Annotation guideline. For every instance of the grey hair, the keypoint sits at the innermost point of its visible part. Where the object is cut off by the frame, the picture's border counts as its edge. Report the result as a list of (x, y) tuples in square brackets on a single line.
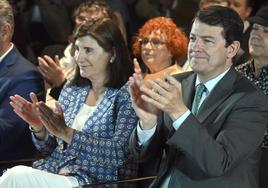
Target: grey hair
[(6, 15)]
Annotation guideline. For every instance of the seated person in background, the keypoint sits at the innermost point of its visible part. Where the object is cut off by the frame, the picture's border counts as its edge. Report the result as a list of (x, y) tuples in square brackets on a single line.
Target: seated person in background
[(56, 71), (207, 3), (210, 130), (256, 69), (162, 47), (17, 76), (86, 140)]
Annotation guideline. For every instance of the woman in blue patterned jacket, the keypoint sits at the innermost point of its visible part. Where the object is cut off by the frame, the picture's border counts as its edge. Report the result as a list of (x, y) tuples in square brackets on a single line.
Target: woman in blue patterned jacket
[(86, 139)]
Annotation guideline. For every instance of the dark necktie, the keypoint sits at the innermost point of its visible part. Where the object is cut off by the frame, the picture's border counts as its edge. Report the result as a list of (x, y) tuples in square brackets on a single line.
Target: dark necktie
[(200, 89)]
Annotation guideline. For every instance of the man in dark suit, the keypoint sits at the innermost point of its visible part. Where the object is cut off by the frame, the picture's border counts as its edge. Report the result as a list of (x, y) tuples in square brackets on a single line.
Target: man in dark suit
[(17, 76), (214, 119)]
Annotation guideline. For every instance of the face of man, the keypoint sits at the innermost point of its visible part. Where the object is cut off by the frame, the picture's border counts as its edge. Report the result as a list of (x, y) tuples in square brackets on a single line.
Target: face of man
[(258, 41), (241, 7), (207, 52)]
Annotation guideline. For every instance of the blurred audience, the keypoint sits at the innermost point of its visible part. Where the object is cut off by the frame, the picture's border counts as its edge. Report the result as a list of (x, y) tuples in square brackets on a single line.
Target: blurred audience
[(244, 9), (86, 139), (49, 26), (180, 11), (207, 3)]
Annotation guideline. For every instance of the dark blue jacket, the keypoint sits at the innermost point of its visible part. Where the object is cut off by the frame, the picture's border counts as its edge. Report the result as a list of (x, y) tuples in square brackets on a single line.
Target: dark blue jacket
[(17, 76)]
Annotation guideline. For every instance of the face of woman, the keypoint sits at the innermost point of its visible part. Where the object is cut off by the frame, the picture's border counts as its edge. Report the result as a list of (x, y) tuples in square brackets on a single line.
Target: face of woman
[(154, 52), (91, 58)]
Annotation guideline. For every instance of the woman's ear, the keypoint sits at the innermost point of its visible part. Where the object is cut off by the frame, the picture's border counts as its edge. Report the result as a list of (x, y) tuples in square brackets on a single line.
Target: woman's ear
[(232, 49)]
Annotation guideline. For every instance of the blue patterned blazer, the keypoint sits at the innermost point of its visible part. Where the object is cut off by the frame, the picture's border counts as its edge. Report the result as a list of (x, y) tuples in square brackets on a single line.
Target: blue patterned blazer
[(100, 151)]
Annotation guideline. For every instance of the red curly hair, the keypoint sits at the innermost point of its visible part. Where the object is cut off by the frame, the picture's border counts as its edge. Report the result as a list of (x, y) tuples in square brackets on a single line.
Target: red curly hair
[(176, 40)]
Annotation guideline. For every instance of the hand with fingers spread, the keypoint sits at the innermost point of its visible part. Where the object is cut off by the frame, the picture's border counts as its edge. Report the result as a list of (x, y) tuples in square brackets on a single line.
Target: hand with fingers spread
[(27, 110), (54, 122), (166, 96), (147, 113), (51, 70)]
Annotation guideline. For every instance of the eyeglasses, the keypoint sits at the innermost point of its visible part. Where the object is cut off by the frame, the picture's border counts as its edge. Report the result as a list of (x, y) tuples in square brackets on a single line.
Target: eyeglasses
[(153, 41)]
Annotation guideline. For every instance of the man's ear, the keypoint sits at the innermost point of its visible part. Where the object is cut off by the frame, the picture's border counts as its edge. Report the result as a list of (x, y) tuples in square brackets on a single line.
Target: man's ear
[(248, 11), (232, 49), (6, 31)]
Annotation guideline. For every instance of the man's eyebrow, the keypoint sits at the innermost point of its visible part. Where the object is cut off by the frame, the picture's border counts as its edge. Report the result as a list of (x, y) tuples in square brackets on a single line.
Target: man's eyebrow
[(204, 36), (207, 37)]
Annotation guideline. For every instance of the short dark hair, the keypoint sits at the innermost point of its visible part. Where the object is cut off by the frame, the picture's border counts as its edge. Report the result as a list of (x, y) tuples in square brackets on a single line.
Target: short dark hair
[(225, 17), (109, 37)]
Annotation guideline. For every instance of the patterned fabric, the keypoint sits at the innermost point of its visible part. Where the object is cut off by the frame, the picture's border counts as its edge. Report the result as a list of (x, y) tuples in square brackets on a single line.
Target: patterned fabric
[(261, 82), (99, 152)]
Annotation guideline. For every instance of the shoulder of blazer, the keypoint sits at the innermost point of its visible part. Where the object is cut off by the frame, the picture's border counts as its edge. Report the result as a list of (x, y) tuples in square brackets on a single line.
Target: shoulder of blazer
[(11, 57), (14, 57), (182, 76), (244, 84)]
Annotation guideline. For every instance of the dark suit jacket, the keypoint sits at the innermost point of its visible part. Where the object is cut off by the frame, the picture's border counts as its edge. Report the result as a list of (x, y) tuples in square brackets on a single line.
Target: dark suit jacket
[(17, 76), (218, 148)]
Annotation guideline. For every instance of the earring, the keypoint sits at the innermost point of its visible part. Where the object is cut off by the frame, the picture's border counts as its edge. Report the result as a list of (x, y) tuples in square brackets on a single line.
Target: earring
[(112, 59)]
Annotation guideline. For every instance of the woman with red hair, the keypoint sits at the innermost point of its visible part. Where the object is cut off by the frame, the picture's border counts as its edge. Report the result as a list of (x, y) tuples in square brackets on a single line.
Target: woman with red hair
[(162, 47)]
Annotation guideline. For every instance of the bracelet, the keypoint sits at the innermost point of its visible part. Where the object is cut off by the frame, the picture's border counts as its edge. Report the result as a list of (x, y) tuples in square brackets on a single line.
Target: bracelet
[(34, 131)]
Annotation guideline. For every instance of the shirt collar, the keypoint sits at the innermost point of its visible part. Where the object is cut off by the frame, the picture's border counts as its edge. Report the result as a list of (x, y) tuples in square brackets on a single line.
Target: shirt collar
[(5, 54), (213, 82)]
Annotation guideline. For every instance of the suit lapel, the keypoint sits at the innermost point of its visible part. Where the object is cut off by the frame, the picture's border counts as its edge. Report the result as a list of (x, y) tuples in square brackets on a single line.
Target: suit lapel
[(218, 95), (3, 71)]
